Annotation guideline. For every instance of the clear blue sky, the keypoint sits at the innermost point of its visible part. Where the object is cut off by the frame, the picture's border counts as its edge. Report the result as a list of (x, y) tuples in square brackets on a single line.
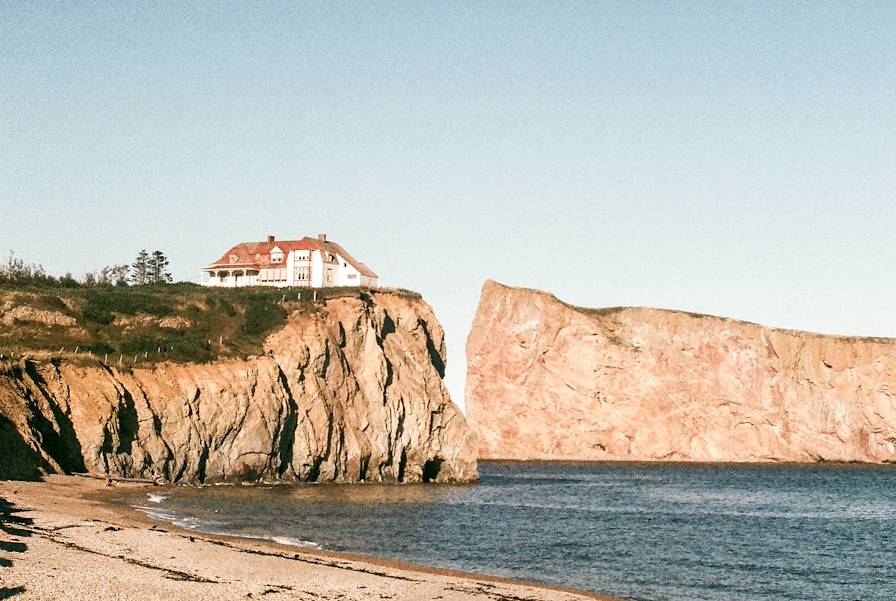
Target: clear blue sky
[(736, 159)]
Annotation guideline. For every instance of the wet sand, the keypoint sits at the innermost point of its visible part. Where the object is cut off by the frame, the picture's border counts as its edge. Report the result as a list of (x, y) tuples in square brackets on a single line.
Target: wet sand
[(60, 539)]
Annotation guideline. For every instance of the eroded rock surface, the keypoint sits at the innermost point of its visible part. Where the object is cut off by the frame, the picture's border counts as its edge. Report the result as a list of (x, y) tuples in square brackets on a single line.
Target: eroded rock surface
[(25, 313), (349, 391), (550, 381)]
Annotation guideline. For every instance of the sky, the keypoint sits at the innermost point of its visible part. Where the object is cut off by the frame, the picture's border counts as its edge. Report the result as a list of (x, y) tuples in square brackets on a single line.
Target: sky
[(737, 159)]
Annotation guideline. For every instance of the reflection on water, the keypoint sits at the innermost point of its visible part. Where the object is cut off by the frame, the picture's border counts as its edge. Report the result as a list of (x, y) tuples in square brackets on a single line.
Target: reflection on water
[(677, 532), (372, 493)]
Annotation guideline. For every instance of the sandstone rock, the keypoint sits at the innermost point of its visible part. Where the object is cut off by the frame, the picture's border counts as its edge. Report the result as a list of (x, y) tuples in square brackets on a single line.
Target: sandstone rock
[(141, 320), (350, 391), (175, 322), (32, 314), (547, 380)]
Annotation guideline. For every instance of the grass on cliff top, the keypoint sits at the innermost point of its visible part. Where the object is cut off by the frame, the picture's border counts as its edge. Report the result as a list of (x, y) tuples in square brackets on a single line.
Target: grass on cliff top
[(127, 321)]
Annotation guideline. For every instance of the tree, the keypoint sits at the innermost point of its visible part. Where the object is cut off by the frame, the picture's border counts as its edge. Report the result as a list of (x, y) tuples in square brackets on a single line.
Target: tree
[(157, 268), (120, 274), (90, 279), (104, 278), (18, 273), (140, 269), (68, 281)]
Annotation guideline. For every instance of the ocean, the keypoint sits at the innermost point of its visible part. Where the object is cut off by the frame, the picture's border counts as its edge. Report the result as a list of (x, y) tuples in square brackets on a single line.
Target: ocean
[(664, 532)]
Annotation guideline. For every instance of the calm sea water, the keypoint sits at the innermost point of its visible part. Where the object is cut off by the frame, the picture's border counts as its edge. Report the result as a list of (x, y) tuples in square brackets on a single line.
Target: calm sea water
[(649, 532)]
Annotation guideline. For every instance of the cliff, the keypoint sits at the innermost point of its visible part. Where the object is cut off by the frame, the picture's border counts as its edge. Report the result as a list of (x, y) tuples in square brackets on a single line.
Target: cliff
[(346, 390), (547, 380)]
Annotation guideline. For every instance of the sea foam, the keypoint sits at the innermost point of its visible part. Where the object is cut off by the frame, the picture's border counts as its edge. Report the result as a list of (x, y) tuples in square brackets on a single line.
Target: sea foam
[(295, 542)]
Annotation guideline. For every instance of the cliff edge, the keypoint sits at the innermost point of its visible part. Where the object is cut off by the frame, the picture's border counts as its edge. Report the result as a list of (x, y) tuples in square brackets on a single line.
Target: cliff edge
[(547, 380), (349, 389)]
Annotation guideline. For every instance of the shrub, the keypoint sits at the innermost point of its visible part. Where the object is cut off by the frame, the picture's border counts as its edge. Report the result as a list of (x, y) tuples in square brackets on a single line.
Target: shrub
[(227, 307), (139, 344), (126, 301), (262, 317), (100, 348), (174, 346), (98, 315)]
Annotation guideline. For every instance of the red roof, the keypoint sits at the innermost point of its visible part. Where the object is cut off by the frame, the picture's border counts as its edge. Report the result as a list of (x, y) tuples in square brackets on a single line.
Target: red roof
[(255, 255)]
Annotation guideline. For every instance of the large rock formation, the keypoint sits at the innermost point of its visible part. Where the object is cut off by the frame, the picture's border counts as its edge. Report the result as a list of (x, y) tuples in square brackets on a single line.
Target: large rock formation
[(547, 380), (349, 390)]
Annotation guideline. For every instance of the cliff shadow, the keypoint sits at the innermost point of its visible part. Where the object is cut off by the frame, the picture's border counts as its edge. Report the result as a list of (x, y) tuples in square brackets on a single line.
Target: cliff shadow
[(18, 461), (434, 356), (11, 543), (62, 445)]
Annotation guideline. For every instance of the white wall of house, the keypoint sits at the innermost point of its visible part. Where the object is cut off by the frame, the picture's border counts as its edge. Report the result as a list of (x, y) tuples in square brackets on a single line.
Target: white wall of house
[(348, 275), (299, 268), (317, 270), (290, 268)]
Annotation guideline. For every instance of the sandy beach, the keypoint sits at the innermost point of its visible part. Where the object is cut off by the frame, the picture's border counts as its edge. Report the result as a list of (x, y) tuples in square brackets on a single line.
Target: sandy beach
[(61, 540)]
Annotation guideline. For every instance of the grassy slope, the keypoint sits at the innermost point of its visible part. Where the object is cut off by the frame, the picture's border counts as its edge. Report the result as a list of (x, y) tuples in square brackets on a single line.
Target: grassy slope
[(125, 321)]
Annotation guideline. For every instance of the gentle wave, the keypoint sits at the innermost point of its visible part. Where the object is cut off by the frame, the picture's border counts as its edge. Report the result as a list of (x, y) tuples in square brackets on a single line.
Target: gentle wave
[(213, 527), (685, 532), (188, 522), (294, 542)]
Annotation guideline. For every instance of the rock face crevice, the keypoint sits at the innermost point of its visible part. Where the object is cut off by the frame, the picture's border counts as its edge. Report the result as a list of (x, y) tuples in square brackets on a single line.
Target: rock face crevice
[(346, 392), (547, 380)]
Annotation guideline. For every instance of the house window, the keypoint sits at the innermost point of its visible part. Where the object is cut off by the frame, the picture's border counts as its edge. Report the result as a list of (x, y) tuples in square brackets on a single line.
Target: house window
[(301, 274), (276, 258), (352, 276), (272, 275), (329, 276)]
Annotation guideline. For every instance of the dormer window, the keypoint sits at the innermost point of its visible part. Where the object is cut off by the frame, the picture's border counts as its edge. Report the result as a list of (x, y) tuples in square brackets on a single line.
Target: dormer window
[(234, 258), (276, 255)]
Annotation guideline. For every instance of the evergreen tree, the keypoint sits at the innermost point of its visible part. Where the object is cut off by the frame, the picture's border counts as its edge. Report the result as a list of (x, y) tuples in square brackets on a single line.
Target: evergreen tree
[(157, 272), (140, 274)]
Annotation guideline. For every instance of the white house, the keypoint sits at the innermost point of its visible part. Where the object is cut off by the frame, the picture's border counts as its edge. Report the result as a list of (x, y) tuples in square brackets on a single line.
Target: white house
[(309, 262)]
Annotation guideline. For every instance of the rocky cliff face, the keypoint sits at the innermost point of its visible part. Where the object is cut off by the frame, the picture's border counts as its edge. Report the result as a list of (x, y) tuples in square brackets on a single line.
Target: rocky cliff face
[(550, 381), (349, 391)]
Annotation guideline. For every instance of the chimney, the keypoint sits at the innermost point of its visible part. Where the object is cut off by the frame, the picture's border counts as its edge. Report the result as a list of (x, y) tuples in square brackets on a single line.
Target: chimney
[(270, 238), (322, 237)]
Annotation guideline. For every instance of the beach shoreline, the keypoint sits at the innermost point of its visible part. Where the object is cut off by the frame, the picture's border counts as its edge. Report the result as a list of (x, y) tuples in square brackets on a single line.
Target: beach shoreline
[(64, 538)]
